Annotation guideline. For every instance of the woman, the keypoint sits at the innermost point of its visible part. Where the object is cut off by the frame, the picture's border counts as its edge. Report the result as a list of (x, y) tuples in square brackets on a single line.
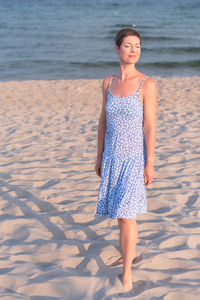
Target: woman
[(126, 144)]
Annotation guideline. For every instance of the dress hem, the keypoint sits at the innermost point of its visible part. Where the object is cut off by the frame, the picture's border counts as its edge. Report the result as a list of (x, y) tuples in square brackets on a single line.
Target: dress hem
[(120, 217)]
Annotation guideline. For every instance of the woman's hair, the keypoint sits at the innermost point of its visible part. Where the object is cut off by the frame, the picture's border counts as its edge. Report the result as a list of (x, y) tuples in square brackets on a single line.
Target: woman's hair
[(124, 33)]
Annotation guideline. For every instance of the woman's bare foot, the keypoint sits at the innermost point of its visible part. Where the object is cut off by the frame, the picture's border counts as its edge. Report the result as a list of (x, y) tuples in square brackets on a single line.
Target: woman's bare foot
[(127, 282)]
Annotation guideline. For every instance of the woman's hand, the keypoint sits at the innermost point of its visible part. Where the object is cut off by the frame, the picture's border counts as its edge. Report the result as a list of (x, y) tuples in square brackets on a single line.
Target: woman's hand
[(148, 174), (98, 167)]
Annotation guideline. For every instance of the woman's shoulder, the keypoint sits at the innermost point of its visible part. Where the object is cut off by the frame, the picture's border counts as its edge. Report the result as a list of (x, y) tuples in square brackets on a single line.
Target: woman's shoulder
[(145, 77), (149, 88), (148, 82), (106, 81)]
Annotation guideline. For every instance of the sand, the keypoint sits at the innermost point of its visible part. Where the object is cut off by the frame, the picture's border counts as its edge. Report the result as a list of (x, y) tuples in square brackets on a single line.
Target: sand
[(53, 246)]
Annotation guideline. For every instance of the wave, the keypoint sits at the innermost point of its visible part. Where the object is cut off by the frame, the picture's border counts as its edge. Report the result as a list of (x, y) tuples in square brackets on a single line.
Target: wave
[(159, 38), (99, 64), (131, 25), (171, 64), (173, 50)]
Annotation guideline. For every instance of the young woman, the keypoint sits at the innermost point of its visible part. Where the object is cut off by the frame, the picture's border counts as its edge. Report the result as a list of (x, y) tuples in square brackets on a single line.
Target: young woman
[(126, 144)]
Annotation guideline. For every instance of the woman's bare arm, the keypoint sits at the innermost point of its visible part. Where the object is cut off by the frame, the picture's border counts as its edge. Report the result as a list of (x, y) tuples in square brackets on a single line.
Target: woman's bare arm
[(150, 103), (102, 127)]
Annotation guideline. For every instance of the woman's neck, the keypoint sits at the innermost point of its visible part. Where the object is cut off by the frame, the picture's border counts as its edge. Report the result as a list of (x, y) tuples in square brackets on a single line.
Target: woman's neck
[(127, 71)]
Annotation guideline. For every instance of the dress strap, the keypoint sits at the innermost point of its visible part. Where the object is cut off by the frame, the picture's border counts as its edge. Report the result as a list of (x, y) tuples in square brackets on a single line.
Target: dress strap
[(110, 81), (141, 84)]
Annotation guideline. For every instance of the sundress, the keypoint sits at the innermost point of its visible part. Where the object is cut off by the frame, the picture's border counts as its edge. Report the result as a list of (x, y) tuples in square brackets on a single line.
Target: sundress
[(122, 192)]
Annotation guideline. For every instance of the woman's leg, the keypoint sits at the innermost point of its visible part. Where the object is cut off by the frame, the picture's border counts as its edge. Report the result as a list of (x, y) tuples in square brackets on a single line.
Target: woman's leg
[(128, 240)]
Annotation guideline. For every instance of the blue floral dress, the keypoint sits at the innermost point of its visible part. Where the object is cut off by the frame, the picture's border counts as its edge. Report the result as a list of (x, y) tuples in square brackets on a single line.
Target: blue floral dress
[(122, 192)]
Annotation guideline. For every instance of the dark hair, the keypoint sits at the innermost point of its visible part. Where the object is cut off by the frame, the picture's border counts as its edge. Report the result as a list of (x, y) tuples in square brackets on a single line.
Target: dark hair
[(124, 33)]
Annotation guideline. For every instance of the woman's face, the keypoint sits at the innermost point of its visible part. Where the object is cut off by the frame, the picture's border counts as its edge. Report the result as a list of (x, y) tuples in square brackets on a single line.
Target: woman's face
[(130, 49)]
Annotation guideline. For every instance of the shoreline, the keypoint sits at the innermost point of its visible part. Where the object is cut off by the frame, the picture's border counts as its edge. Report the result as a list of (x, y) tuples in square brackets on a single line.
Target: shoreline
[(77, 79)]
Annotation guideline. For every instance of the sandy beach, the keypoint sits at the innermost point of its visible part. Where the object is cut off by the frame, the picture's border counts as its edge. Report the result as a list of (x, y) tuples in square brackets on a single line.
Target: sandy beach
[(53, 246)]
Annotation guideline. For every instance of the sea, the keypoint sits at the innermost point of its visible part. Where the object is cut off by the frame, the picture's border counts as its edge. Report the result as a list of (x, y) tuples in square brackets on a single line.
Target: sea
[(71, 39)]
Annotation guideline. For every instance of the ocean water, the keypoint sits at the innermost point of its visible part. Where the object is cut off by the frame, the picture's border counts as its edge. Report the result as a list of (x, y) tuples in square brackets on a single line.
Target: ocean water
[(62, 39)]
